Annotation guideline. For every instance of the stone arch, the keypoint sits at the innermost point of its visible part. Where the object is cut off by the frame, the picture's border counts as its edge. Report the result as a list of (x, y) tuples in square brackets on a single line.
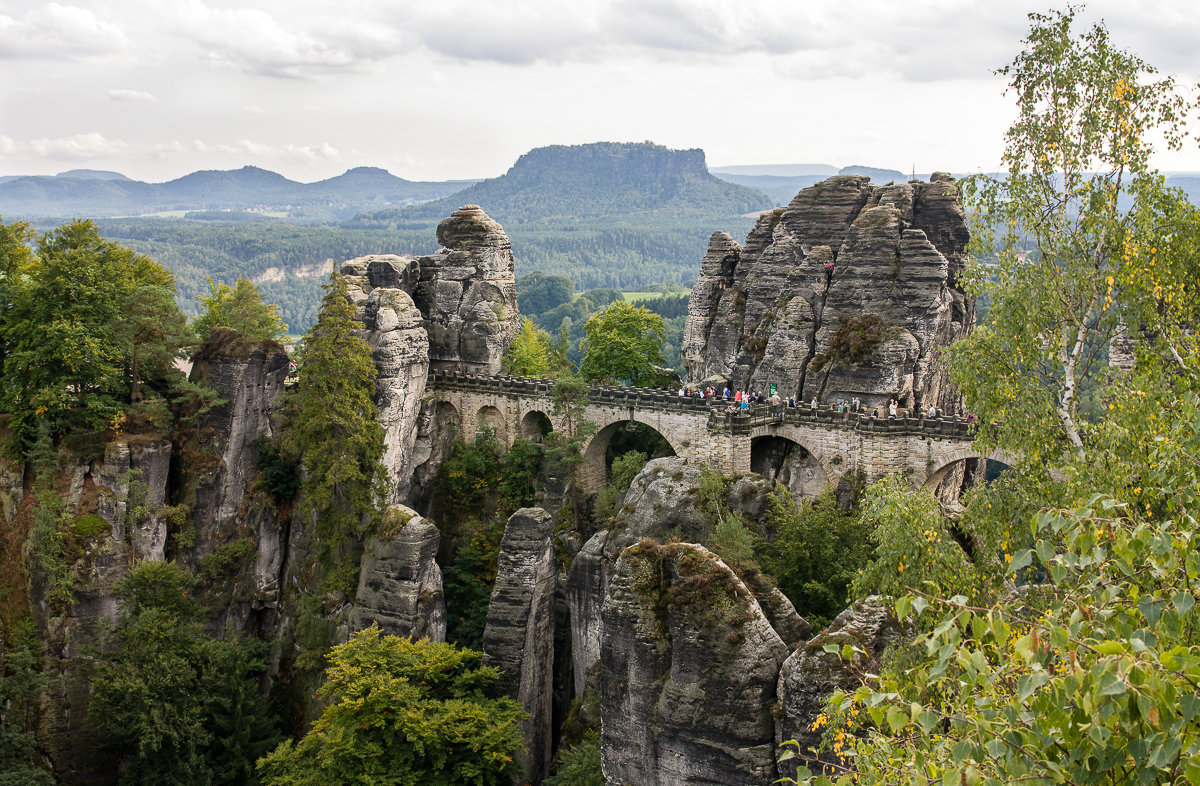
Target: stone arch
[(957, 461), (491, 417), (799, 436), (595, 473), (789, 462), (535, 425)]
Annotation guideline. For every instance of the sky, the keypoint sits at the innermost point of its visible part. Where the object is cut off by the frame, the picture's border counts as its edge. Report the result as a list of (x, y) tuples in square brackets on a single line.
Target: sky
[(448, 89)]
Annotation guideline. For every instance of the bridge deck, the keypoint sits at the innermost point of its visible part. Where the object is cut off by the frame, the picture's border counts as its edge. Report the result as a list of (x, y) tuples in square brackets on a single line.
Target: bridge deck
[(713, 409)]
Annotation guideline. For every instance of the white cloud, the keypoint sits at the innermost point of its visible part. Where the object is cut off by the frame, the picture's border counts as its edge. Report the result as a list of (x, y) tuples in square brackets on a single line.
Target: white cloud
[(59, 32), (285, 45), (93, 146), (78, 147), (122, 95)]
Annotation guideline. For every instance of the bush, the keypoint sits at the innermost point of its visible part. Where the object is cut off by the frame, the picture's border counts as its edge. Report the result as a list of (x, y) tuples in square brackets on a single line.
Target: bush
[(89, 526), (857, 337), (578, 764), (816, 554)]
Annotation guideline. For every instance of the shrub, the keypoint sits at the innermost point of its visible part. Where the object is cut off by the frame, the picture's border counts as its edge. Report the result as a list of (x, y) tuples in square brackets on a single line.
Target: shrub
[(857, 337)]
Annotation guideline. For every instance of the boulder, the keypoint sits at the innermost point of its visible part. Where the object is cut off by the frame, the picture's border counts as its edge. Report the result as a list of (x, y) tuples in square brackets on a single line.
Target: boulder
[(399, 581), (688, 672), (811, 674)]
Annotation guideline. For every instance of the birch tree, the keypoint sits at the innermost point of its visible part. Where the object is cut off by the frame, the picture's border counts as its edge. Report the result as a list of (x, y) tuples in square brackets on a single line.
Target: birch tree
[(1063, 233)]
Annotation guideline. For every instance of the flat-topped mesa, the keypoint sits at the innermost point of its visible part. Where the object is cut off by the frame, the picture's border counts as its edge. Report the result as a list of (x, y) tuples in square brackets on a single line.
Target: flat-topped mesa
[(468, 294), (846, 292)]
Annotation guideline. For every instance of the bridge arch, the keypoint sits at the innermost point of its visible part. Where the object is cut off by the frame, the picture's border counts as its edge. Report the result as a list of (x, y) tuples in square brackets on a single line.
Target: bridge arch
[(940, 467), (535, 425), (595, 470), (789, 462), (492, 418), (801, 436)]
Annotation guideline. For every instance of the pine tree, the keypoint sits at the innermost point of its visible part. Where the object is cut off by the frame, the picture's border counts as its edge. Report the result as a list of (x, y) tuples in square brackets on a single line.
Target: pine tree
[(332, 425)]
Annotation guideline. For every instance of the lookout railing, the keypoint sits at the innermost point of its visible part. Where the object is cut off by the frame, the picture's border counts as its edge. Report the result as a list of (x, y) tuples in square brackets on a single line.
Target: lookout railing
[(715, 409)]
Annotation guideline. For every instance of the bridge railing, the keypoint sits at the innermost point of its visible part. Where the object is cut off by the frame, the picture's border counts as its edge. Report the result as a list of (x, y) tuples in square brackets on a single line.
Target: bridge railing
[(716, 409)]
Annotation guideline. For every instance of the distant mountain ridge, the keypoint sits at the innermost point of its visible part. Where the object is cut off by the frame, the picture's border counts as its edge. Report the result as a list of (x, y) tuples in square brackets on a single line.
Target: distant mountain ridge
[(102, 194), (592, 181)]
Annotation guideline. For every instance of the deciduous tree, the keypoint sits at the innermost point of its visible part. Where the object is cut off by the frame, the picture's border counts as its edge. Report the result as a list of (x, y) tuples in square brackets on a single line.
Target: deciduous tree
[(241, 308), (410, 713), (624, 343)]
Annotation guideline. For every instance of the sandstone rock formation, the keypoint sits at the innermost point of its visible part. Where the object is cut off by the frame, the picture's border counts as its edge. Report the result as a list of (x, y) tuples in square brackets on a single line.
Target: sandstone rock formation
[(468, 294), (662, 501), (843, 256), (135, 468), (380, 288), (248, 375), (399, 581), (687, 672), (810, 674), (519, 637), (126, 488)]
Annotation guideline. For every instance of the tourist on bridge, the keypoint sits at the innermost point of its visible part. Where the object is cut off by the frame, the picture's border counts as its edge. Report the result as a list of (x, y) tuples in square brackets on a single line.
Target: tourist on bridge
[(856, 405), (813, 406), (893, 410), (725, 393)]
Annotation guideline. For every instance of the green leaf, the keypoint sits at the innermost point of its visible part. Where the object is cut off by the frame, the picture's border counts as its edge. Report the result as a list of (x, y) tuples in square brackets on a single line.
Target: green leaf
[(1020, 560), (1110, 685), (1183, 602), (1152, 609)]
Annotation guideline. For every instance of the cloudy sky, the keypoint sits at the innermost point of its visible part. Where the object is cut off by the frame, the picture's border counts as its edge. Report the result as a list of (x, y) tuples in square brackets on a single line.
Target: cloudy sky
[(439, 89)]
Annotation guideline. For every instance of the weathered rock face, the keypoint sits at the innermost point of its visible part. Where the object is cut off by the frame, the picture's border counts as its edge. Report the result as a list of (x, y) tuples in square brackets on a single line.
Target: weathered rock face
[(399, 581), (380, 288), (810, 674), (468, 294), (768, 312), (127, 489), (217, 472), (519, 637), (136, 468), (248, 376), (687, 672), (662, 501)]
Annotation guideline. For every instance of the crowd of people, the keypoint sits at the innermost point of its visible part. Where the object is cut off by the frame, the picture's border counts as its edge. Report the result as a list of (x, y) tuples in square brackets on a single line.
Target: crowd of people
[(740, 402)]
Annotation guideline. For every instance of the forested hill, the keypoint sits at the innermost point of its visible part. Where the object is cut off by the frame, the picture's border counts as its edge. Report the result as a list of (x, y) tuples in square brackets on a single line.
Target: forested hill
[(586, 182), (82, 193)]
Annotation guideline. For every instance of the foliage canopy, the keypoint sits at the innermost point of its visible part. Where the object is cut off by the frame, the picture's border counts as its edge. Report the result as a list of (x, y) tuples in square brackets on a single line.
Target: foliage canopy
[(411, 713)]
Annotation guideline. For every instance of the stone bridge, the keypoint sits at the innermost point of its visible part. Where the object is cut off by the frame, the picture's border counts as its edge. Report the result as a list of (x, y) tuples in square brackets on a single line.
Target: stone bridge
[(824, 445)]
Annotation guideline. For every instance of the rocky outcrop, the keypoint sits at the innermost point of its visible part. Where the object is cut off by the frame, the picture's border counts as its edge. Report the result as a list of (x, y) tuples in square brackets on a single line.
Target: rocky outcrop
[(662, 501), (399, 581), (468, 294), (380, 288), (75, 612), (810, 674), (248, 376), (134, 471), (848, 291), (687, 672), (519, 637)]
